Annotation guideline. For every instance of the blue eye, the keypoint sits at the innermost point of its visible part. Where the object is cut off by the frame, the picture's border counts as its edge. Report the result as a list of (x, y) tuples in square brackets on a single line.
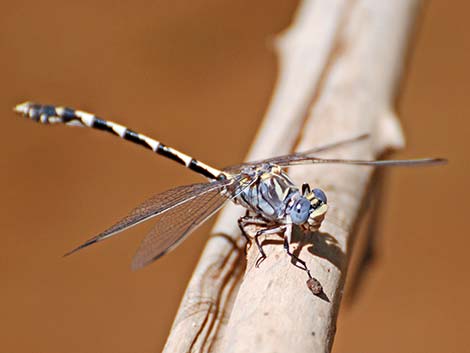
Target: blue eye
[(320, 195), (300, 211)]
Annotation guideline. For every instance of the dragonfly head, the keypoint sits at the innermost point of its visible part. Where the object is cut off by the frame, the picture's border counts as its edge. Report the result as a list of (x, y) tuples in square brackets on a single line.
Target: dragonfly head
[(310, 209)]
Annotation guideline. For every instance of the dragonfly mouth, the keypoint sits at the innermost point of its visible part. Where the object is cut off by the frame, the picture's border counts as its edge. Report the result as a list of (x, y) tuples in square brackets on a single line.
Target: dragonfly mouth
[(316, 217)]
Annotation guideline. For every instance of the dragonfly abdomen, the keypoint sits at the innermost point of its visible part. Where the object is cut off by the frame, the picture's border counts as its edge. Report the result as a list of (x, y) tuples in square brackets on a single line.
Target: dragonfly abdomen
[(50, 114)]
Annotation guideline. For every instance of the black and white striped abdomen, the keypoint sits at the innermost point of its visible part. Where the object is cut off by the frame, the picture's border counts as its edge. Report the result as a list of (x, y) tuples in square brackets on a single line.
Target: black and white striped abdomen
[(49, 114)]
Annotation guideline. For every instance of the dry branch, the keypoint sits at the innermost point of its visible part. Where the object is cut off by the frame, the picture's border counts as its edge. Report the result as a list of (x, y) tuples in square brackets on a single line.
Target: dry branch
[(340, 63)]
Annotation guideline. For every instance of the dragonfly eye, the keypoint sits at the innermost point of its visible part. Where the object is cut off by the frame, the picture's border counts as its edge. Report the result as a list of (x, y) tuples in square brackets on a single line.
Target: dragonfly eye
[(300, 211), (320, 195)]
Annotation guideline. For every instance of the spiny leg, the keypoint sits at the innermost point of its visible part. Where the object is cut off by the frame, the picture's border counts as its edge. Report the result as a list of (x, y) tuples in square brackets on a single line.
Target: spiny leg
[(262, 254), (49, 114), (249, 220), (297, 261), (274, 230), (305, 189)]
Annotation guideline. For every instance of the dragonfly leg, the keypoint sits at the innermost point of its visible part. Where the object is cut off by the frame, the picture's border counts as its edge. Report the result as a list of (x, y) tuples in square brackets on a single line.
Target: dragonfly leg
[(249, 220), (242, 222), (273, 230), (297, 261), (305, 189)]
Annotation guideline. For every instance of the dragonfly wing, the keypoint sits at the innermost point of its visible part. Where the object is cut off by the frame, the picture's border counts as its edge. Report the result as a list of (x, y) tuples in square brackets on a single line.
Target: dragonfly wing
[(156, 205), (373, 163), (173, 226), (299, 155)]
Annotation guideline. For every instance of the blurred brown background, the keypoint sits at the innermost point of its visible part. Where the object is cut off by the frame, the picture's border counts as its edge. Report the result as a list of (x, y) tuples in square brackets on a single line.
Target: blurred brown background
[(198, 75)]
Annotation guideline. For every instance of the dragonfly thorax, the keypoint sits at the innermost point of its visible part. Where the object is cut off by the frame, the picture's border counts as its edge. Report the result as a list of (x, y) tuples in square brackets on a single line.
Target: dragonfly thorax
[(274, 197)]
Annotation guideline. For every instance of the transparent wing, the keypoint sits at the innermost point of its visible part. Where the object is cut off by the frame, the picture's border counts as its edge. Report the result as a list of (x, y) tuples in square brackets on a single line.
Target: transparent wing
[(173, 226), (157, 205), (380, 163), (297, 156)]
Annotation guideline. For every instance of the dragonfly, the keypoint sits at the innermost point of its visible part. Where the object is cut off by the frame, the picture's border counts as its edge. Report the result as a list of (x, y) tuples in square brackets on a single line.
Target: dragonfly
[(273, 203)]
